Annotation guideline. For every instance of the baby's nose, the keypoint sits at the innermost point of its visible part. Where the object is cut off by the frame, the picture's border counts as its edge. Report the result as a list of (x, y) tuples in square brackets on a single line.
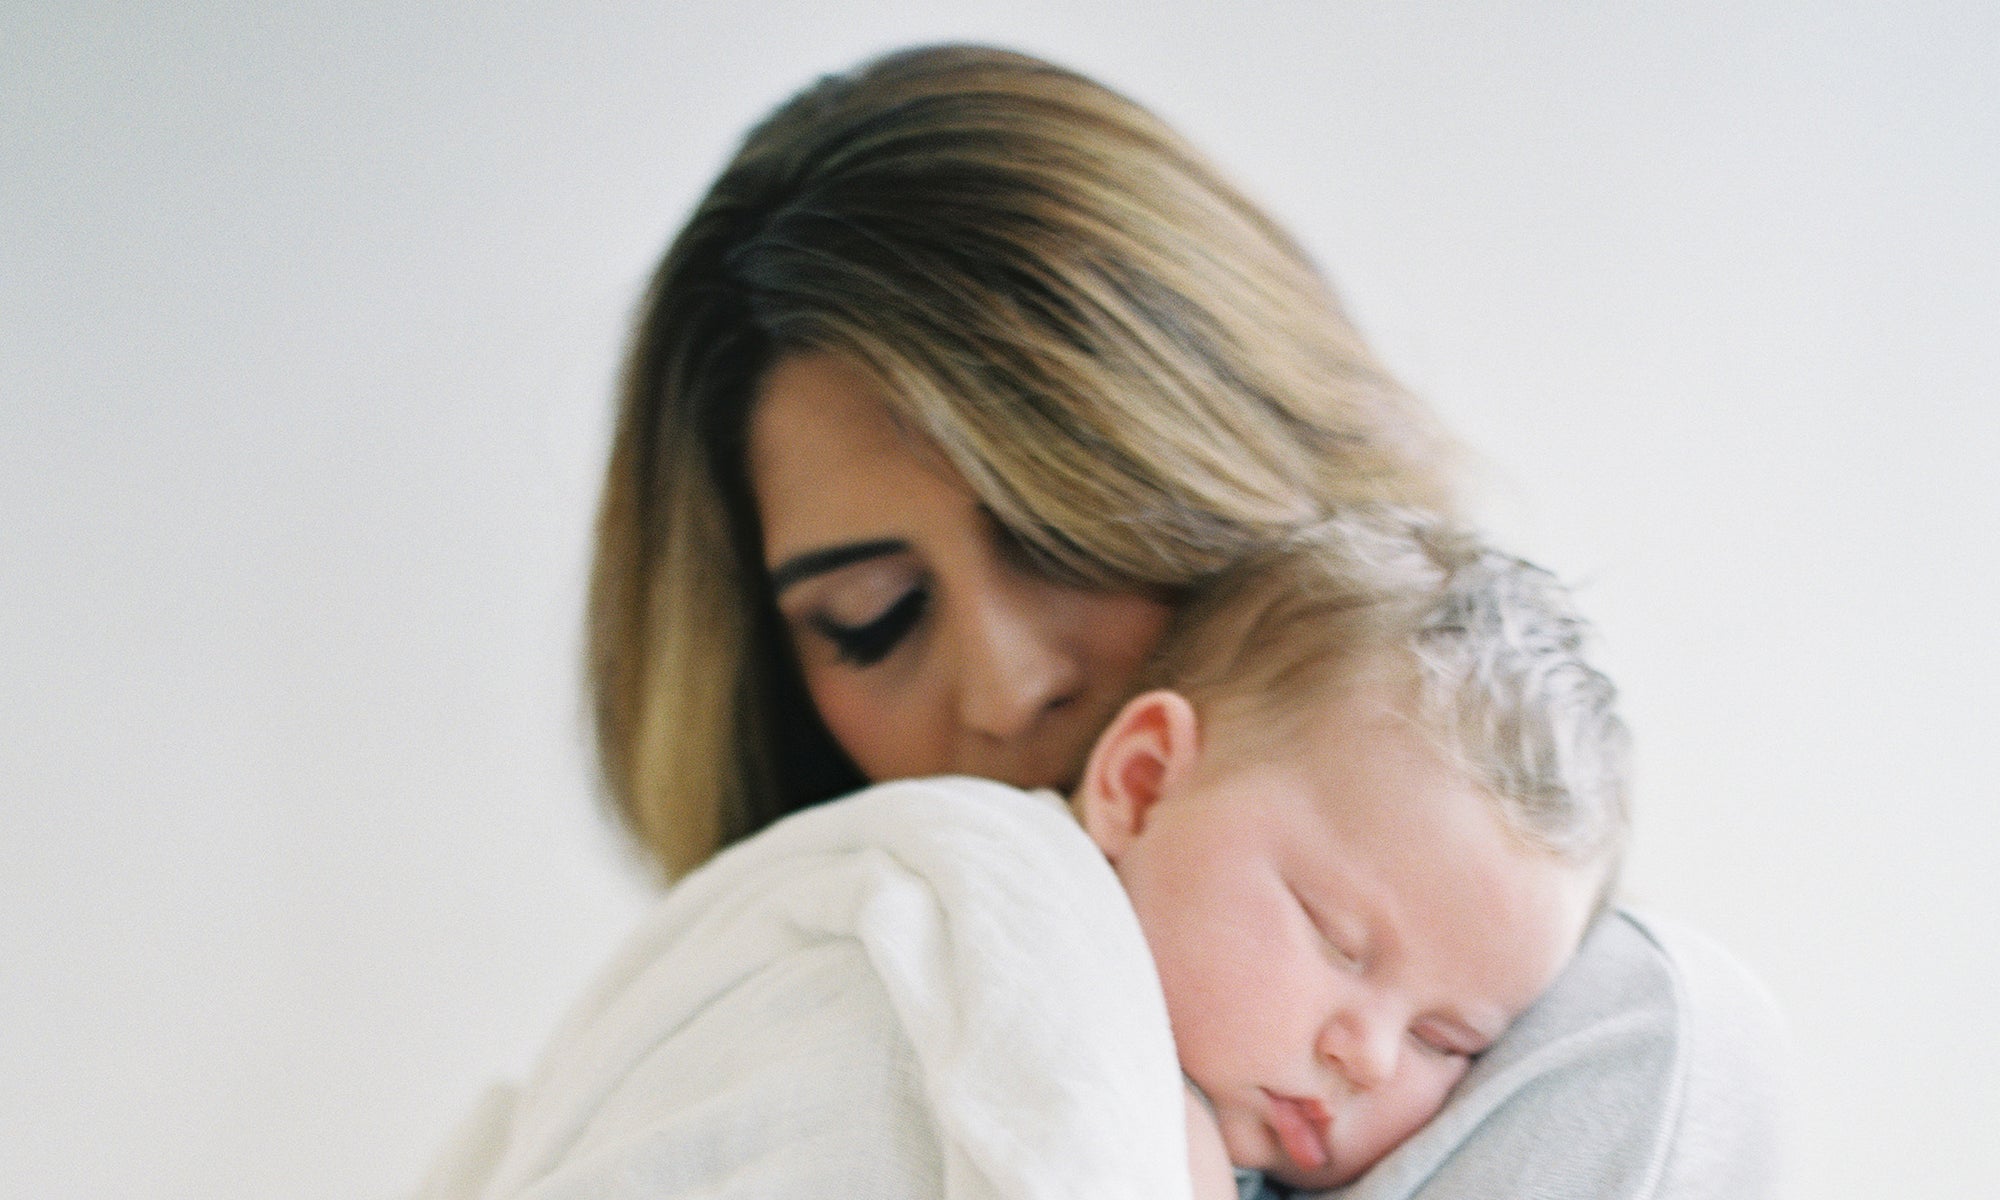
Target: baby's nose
[(1363, 1044)]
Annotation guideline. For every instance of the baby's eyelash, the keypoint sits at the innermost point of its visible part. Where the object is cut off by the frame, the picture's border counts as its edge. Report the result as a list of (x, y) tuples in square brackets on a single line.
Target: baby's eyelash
[(1340, 955), (1335, 951), (1438, 1048), (867, 644)]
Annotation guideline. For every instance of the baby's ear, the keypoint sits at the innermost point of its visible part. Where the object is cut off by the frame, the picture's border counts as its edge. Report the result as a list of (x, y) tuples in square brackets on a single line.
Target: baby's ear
[(1147, 751)]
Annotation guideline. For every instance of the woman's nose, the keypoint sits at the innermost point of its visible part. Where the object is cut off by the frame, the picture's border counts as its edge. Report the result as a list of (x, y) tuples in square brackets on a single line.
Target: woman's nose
[(1363, 1043), (1014, 666)]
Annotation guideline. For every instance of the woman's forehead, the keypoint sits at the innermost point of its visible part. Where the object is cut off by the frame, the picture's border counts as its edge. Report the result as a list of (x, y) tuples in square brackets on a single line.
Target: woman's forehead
[(829, 460), (818, 393)]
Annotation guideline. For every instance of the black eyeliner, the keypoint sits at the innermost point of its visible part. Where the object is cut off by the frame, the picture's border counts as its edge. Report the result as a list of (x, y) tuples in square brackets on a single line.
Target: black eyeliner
[(866, 645)]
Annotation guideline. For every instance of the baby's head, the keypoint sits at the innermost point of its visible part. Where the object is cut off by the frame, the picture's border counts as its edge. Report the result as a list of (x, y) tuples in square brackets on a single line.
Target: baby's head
[(1363, 820)]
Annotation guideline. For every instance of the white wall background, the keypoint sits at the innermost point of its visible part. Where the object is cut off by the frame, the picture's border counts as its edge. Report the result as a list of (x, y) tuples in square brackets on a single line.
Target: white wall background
[(310, 315)]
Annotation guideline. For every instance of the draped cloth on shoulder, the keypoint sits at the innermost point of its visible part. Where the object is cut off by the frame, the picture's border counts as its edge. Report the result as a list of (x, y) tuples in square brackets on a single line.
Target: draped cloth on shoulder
[(933, 988)]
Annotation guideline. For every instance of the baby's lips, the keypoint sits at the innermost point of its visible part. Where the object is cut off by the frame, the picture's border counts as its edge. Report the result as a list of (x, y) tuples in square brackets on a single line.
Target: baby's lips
[(1301, 1125)]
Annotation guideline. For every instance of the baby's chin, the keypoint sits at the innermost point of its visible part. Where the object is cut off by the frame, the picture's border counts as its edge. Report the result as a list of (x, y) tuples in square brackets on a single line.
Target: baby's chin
[(1347, 1164), (1335, 1174)]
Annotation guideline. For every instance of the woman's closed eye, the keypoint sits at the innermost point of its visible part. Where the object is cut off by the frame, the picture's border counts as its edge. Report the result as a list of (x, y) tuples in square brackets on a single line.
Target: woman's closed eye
[(870, 641), (859, 599)]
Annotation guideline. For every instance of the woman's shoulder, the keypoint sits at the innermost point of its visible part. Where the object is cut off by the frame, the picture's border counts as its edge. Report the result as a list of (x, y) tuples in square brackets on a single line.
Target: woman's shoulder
[(1642, 970), (1652, 1069)]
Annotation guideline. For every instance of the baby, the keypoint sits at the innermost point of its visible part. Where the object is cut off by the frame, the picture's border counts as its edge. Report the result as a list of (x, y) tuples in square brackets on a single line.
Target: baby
[(1362, 828), (1361, 822)]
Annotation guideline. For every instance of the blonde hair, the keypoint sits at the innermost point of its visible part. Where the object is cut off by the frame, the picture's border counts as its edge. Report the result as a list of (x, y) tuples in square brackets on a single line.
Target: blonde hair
[(1491, 646), (1139, 374)]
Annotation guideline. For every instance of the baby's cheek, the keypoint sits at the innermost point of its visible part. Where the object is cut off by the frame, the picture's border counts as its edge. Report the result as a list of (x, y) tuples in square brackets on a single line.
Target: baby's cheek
[(1435, 1087), (1196, 1005), (1198, 1009), (1422, 1098)]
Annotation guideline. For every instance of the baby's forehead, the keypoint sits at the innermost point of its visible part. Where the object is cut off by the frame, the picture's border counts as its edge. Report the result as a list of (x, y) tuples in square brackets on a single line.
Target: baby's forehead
[(1394, 831), (1384, 691), (1274, 709)]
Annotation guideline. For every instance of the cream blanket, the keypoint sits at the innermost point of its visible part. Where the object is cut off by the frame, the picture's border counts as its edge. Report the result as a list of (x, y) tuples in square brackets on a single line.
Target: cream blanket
[(933, 988)]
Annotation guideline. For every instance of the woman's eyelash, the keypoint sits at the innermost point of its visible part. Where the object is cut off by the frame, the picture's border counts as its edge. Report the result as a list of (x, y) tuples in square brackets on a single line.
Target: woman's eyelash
[(865, 645)]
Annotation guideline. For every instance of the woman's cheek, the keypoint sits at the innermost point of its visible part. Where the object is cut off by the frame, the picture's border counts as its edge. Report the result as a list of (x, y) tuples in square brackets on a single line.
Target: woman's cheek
[(881, 728), (1130, 627)]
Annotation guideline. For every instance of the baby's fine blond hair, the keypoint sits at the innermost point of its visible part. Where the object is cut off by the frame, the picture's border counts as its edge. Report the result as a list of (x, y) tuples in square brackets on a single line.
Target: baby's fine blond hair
[(1490, 647)]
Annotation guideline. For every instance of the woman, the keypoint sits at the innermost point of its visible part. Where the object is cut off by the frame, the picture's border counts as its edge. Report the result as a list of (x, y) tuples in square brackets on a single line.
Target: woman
[(962, 372), (1135, 372)]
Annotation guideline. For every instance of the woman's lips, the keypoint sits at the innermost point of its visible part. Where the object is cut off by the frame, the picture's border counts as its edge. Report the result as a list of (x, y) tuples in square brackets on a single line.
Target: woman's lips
[(1301, 1125)]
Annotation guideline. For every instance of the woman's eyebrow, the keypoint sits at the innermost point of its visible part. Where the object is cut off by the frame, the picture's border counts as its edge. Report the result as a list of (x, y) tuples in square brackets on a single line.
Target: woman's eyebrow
[(818, 562)]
